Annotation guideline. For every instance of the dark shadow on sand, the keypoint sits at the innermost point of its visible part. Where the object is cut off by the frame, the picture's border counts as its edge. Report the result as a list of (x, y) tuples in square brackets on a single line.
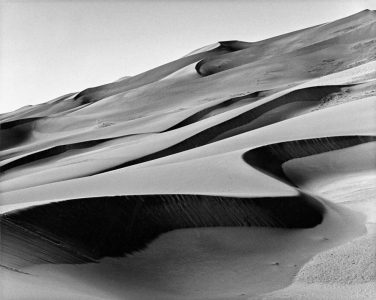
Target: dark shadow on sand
[(85, 230)]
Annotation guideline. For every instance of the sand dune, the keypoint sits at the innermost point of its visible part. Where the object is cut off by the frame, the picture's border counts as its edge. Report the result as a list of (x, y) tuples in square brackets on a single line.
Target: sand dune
[(51, 229), (243, 170), (271, 158)]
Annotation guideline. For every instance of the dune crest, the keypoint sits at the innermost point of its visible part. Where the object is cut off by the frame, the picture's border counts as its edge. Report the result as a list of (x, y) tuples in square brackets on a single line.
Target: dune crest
[(243, 170)]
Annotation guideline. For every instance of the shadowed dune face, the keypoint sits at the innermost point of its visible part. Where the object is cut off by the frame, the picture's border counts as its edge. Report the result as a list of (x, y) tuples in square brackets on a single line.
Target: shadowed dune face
[(12, 124), (15, 133), (252, 119), (206, 112), (51, 152), (297, 44), (84, 230), (263, 115), (13, 137), (257, 135), (270, 158)]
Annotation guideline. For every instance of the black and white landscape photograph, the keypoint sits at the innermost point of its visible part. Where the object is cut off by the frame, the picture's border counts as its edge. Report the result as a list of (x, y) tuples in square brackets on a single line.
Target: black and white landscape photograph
[(188, 150)]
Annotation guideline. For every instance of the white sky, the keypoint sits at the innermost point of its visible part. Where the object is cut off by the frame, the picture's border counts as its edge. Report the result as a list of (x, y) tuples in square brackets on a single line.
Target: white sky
[(51, 48)]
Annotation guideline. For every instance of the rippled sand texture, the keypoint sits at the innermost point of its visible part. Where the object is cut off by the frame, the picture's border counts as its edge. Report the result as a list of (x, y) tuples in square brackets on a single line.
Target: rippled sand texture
[(243, 170)]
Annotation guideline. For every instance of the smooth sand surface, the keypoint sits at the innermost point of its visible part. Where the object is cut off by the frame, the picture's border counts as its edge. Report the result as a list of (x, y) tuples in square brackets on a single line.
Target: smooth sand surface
[(239, 171)]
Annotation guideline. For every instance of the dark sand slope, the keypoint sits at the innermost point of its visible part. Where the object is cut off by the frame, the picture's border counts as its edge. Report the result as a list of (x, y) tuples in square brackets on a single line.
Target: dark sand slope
[(54, 151), (243, 170), (260, 249), (271, 158), (244, 121), (16, 133), (262, 115), (85, 230)]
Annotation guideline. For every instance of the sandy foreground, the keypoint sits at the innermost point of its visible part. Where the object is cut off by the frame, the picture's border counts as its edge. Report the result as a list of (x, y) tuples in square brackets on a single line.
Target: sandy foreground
[(239, 171)]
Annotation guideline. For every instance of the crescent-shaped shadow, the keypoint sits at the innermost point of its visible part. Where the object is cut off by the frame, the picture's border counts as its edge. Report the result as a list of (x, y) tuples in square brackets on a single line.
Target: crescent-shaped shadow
[(270, 158), (85, 230)]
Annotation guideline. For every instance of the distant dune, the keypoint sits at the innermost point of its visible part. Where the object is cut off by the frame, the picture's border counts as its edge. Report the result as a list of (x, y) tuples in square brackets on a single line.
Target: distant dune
[(243, 170)]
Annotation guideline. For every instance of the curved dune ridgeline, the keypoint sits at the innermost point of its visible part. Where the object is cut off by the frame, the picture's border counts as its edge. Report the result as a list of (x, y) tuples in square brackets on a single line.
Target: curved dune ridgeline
[(270, 158), (228, 173), (83, 230), (97, 93), (237, 125), (201, 114), (235, 45), (240, 123), (11, 124), (54, 151), (294, 44)]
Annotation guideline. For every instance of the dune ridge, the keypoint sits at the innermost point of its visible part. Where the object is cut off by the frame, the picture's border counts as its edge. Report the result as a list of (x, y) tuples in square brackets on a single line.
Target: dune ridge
[(138, 220), (243, 170), (229, 128), (54, 151), (107, 90), (236, 125), (271, 158), (296, 43)]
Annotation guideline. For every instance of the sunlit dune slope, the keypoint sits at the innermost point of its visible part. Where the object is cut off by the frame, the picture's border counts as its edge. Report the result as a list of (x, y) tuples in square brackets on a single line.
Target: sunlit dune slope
[(243, 170)]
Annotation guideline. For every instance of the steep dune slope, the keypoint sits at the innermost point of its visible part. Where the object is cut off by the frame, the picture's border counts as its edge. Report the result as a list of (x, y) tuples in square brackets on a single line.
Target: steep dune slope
[(243, 170)]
